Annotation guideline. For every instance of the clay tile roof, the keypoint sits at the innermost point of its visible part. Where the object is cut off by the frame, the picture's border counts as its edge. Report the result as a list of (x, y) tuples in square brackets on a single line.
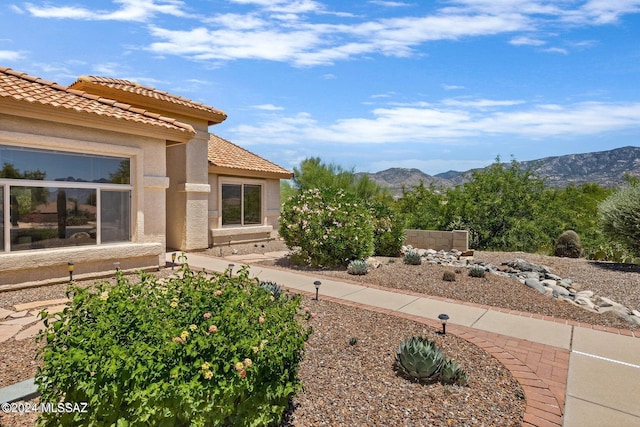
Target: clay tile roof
[(23, 87), (146, 91), (226, 154)]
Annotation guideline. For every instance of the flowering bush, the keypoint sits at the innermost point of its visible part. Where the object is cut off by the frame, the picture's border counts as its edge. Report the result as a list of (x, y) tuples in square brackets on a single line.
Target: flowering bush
[(329, 227), (192, 349)]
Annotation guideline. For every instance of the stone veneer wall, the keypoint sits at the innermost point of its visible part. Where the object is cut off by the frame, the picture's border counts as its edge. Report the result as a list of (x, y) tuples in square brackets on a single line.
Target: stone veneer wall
[(438, 240)]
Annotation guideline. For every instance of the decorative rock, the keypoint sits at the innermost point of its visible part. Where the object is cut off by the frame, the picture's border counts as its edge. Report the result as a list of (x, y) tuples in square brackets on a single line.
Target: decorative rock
[(552, 276), (373, 263), (533, 283), (585, 294), (635, 313), (585, 301)]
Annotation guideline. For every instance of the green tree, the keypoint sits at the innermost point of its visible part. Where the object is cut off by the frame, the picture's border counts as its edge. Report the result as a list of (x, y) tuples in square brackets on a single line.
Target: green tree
[(619, 217), (314, 173), (499, 206), (422, 207)]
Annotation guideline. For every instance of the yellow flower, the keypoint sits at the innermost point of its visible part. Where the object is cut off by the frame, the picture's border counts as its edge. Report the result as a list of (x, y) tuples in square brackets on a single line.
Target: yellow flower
[(247, 362), (205, 366), (104, 296), (184, 334), (208, 375), (193, 327), (174, 304), (239, 366), (256, 349)]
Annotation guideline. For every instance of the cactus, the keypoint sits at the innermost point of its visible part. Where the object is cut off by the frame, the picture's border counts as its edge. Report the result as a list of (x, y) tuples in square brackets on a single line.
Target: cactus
[(477, 271), (419, 359), (412, 258), (568, 245), (357, 267), (449, 276), (272, 287)]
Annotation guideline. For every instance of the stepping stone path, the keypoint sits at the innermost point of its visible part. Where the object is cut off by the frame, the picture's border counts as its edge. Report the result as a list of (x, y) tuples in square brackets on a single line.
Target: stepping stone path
[(24, 320)]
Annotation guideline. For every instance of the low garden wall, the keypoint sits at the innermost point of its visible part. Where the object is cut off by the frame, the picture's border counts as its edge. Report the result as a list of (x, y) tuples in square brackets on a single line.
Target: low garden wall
[(438, 240)]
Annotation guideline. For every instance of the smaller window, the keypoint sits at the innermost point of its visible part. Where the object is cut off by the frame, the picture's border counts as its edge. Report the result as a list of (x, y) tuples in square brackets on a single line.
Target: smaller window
[(241, 204)]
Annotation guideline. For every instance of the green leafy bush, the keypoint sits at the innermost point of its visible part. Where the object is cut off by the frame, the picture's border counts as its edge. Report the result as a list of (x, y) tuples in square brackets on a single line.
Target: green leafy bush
[(388, 229), (192, 349), (568, 245), (328, 227), (620, 217)]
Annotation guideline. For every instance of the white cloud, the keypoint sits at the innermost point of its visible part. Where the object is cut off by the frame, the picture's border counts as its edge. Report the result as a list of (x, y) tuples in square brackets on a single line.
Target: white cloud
[(480, 103), (556, 50), (130, 10), (452, 87), (389, 3), (10, 55), (436, 123), (526, 41), (267, 107)]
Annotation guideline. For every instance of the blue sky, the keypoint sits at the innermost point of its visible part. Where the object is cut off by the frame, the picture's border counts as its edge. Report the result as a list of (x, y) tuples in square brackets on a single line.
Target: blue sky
[(435, 85)]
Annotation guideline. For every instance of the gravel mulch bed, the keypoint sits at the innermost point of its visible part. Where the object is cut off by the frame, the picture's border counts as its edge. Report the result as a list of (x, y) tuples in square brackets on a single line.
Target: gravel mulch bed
[(619, 282)]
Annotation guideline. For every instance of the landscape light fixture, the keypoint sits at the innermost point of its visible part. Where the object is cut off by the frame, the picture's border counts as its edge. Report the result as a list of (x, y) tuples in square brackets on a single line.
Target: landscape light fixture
[(443, 318), (117, 266), (173, 260), (70, 268), (317, 284), (231, 269)]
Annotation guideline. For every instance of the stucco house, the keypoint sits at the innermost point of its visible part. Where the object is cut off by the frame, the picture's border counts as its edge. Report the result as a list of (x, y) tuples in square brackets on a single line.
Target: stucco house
[(109, 171)]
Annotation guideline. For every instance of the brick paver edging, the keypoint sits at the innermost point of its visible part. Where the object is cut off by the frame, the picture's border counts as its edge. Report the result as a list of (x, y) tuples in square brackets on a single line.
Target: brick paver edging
[(540, 369)]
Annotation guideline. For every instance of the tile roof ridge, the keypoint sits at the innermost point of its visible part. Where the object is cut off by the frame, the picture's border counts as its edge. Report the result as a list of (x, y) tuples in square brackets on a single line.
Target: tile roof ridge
[(84, 94), (125, 82)]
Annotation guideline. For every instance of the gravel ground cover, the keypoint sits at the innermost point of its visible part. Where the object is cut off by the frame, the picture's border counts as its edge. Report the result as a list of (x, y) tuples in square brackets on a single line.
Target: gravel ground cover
[(355, 384)]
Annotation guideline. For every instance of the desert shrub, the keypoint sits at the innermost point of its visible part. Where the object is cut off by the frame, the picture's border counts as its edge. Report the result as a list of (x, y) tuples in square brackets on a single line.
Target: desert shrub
[(358, 267), (568, 245), (449, 276), (388, 229), (328, 227), (412, 257), (477, 271), (192, 350), (619, 217)]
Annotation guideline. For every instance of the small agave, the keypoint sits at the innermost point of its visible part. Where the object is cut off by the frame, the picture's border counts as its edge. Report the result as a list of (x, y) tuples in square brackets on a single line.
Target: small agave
[(272, 287), (357, 267), (453, 373), (419, 358)]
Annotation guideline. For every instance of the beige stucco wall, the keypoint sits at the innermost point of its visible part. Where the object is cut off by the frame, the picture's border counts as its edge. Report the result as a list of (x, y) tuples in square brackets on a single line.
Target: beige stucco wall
[(438, 240), (219, 235), (149, 182), (188, 193)]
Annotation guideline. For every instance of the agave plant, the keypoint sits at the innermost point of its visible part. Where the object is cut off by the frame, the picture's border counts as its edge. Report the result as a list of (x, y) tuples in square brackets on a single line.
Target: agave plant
[(451, 373), (419, 359), (357, 267), (272, 287), (412, 258)]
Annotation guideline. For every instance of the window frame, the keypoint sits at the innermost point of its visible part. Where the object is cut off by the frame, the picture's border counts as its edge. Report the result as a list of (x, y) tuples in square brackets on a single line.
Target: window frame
[(8, 183), (242, 182)]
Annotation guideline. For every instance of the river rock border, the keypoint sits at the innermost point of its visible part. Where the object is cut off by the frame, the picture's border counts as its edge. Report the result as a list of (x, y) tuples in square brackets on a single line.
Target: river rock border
[(538, 277)]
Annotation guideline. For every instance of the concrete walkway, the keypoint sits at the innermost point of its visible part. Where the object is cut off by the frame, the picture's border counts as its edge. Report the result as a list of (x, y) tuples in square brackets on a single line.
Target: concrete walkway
[(573, 375)]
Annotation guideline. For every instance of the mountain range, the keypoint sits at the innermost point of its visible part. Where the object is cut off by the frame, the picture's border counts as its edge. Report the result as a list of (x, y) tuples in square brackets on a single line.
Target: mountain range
[(606, 168)]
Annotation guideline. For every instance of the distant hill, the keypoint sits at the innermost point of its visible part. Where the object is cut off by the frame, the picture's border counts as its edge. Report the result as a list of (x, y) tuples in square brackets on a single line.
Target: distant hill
[(606, 168)]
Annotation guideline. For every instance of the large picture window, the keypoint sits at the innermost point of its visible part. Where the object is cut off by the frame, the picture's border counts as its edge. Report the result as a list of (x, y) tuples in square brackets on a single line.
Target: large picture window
[(241, 204), (53, 199)]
